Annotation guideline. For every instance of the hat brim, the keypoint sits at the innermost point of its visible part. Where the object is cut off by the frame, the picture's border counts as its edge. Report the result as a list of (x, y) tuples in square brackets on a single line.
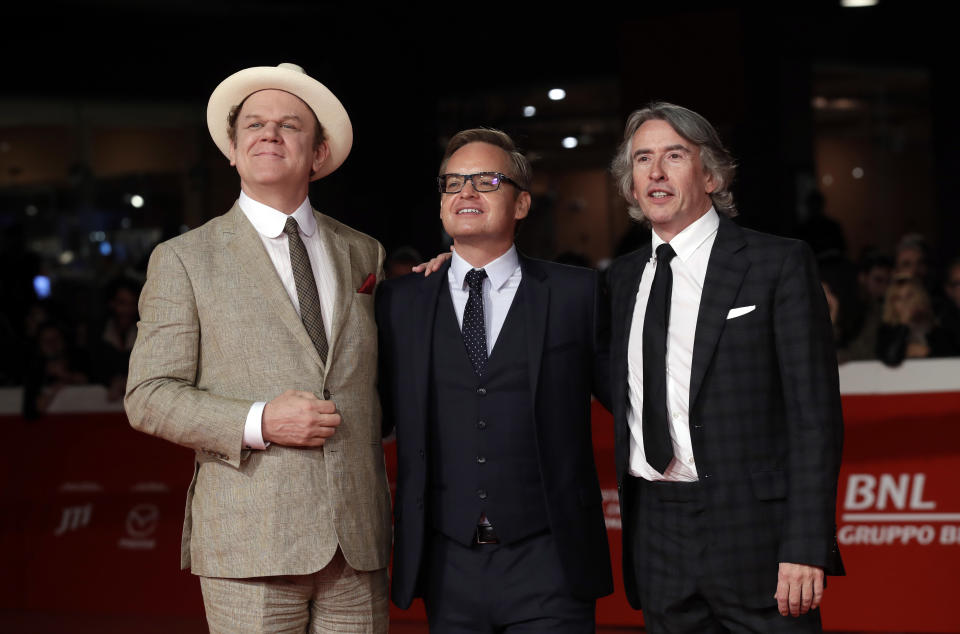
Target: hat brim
[(330, 112)]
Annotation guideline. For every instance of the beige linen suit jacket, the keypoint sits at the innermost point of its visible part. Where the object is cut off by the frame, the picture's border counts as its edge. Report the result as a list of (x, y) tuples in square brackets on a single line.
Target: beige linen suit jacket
[(218, 333)]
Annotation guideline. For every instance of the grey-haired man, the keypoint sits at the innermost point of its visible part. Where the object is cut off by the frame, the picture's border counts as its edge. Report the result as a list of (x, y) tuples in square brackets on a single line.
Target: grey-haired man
[(725, 398)]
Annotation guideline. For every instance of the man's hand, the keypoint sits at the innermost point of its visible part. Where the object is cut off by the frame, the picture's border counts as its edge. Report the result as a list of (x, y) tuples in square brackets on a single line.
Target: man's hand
[(433, 265), (299, 419), (799, 588)]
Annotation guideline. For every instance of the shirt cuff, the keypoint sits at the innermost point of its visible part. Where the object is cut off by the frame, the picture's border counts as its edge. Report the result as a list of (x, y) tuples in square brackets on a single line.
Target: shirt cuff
[(253, 428)]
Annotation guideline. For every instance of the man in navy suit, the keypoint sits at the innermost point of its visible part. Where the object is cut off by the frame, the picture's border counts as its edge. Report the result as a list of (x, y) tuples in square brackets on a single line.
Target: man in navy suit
[(725, 398), (486, 373)]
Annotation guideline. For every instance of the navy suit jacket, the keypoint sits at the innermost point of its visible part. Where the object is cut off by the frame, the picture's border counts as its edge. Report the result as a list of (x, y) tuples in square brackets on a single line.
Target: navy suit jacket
[(765, 417), (560, 306)]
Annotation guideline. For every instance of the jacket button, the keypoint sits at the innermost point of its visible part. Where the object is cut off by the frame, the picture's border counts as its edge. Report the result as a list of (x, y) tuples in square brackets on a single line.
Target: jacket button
[(482, 424), (481, 391), (481, 459), (326, 394), (482, 494), (421, 453)]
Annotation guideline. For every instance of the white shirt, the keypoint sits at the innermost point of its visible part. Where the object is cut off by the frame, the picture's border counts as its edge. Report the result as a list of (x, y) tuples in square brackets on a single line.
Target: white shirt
[(498, 290), (692, 246), (269, 223)]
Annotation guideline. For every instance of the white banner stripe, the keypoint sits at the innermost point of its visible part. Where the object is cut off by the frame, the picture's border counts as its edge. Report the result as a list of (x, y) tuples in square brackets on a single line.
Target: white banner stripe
[(914, 376), (901, 517)]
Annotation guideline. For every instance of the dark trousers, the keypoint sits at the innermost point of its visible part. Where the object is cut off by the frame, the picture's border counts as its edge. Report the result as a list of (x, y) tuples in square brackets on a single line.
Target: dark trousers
[(515, 588), (679, 590)]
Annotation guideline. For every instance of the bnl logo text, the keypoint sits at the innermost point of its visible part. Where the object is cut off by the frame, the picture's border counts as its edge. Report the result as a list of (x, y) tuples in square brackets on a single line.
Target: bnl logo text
[(865, 491)]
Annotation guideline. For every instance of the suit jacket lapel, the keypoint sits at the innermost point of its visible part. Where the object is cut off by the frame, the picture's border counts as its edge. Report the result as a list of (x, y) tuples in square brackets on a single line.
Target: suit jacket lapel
[(244, 243), (725, 273), (534, 296), (338, 253), (423, 314)]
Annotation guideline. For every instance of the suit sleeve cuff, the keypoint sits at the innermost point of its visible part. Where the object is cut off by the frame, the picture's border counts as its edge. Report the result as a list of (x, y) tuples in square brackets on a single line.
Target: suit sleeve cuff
[(253, 428)]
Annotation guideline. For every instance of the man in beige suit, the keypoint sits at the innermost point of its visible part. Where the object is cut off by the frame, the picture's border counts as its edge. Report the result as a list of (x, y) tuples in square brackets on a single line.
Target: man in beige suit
[(257, 349)]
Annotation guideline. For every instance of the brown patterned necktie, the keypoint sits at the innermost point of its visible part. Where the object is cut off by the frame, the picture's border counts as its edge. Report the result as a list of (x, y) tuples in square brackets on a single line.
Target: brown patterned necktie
[(306, 288)]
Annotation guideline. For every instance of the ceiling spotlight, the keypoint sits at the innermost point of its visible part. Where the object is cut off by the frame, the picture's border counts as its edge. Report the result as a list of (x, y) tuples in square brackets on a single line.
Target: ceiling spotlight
[(852, 4), (529, 111), (570, 142), (857, 172), (136, 201), (556, 94)]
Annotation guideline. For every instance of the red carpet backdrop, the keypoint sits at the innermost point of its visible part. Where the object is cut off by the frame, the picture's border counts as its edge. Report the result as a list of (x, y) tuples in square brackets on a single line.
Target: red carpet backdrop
[(92, 510)]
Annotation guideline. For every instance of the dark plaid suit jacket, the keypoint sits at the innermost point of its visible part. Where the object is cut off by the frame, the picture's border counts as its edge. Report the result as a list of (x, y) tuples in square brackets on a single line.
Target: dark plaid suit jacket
[(765, 417)]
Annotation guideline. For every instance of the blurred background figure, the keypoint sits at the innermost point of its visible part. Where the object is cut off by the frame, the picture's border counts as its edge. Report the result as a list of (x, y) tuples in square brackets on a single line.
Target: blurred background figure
[(53, 364), (821, 232), (909, 329), (111, 347), (949, 313), (9, 342), (874, 274), (838, 277), (912, 257), (401, 261)]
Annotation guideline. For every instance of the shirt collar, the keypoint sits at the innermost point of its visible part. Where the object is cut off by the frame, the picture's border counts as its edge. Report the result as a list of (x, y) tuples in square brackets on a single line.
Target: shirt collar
[(270, 222), (686, 243), (498, 271)]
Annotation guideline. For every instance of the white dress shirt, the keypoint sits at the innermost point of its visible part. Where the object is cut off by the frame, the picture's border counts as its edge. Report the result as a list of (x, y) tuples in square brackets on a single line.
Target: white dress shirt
[(692, 246), (269, 223), (498, 290)]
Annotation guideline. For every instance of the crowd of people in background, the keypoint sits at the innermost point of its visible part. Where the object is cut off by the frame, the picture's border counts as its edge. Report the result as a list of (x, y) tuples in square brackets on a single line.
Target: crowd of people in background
[(53, 348), (886, 307), (892, 308)]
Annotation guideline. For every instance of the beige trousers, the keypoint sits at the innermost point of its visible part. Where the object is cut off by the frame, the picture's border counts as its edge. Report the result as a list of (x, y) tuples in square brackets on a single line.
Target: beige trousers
[(335, 599)]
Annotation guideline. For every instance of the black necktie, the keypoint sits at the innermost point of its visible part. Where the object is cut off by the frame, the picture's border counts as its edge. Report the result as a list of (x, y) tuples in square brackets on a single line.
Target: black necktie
[(656, 429), (474, 333), (306, 289)]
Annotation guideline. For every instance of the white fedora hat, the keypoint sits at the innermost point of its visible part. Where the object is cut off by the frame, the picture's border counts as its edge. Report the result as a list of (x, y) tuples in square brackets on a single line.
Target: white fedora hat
[(292, 79)]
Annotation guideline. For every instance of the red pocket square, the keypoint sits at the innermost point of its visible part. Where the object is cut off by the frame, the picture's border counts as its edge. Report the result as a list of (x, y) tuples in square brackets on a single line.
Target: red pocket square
[(368, 285)]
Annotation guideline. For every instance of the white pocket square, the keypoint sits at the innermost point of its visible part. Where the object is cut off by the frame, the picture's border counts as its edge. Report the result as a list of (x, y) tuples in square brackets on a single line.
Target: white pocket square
[(738, 312)]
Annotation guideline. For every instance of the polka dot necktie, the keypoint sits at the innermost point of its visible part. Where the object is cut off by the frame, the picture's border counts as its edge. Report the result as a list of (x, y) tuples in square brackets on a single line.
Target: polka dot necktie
[(474, 332), (657, 445), (307, 294)]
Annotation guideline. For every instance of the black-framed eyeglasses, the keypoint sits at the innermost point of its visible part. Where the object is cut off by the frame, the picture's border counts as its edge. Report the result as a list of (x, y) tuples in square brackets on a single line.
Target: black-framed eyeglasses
[(482, 182)]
